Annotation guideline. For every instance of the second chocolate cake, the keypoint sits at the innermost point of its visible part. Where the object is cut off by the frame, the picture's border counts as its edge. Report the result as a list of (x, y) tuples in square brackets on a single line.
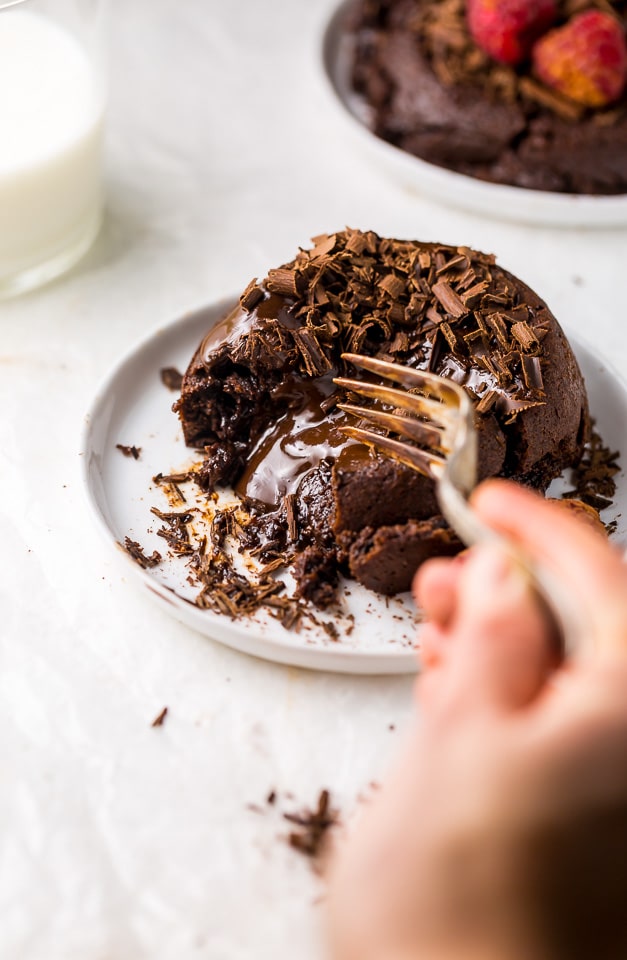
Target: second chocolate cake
[(431, 91), (259, 398)]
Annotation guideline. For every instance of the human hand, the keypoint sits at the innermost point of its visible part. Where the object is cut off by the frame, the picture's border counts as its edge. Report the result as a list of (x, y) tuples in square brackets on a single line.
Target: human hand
[(502, 830)]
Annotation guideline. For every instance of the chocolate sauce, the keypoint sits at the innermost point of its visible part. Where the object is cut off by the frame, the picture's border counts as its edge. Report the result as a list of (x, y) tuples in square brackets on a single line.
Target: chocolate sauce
[(296, 441)]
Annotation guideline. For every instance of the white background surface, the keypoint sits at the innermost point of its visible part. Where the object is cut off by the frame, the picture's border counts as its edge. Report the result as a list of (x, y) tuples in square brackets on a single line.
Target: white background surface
[(119, 841)]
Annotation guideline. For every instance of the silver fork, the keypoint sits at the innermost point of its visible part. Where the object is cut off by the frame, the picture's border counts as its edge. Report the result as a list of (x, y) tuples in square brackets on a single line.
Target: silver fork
[(438, 415)]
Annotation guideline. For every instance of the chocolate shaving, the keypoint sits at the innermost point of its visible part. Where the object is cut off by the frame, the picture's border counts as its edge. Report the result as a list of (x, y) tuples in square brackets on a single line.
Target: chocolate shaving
[(282, 280), (176, 497), (532, 372), (171, 378), (594, 478), (133, 451), (449, 336), (175, 532), (165, 478), (487, 402), (273, 565), (315, 362), (393, 285), (356, 243), (515, 407), (288, 612), (313, 826), (525, 336), (158, 721), (452, 303), (133, 548), (330, 629), (499, 326), (432, 314), (456, 263), (251, 296), (290, 510), (472, 296), (323, 245)]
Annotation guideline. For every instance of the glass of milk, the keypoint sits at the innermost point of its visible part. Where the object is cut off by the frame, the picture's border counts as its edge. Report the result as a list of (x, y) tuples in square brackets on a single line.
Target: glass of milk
[(52, 95)]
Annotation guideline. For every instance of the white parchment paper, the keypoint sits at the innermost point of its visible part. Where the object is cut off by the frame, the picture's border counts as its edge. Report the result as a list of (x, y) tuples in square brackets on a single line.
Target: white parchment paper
[(119, 841)]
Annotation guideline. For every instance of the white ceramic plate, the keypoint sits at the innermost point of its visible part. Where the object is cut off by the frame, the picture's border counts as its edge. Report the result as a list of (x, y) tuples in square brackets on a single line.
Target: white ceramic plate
[(456, 189), (134, 408)]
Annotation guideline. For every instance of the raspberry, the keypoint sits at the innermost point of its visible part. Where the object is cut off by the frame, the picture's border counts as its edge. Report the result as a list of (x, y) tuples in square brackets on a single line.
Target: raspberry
[(506, 29), (586, 59)]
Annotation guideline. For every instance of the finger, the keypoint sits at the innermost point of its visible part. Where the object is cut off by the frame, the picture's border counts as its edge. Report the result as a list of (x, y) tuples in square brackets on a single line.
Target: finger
[(432, 647), (435, 588), (583, 561), (500, 655)]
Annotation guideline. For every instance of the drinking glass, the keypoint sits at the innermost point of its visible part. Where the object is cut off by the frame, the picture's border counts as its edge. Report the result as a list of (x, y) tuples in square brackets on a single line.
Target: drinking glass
[(52, 97)]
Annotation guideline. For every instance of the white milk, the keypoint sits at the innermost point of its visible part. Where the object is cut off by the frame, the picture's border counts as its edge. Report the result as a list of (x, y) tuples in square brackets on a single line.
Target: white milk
[(50, 147)]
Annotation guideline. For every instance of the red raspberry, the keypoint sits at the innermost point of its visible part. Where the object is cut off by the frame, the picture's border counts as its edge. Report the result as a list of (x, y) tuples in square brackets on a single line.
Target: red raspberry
[(507, 29), (586, 59)]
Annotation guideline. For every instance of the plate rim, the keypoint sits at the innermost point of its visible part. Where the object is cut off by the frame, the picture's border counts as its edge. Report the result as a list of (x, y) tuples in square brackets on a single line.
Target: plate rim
[(481, 197)]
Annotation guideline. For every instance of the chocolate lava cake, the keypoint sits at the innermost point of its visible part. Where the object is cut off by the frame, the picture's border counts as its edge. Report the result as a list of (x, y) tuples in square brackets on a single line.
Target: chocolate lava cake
[(430, 90), (259, 398)]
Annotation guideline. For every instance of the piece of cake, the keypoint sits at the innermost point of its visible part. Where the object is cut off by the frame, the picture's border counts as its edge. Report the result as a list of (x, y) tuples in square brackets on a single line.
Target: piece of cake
[(259, 398), (431, 90)]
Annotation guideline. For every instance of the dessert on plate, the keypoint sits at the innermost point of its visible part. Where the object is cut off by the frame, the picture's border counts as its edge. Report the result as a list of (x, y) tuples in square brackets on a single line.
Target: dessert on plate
[(530, 93), (259, 399)]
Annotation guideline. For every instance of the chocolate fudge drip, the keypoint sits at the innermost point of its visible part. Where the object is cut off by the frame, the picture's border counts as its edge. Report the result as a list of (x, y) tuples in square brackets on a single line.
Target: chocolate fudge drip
[(432, 92), (259, 397)]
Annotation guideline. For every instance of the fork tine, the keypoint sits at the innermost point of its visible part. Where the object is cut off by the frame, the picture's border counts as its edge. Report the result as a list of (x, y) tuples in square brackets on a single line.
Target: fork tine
[(414, 403), (409, 377), (412, 457), (413, 429)]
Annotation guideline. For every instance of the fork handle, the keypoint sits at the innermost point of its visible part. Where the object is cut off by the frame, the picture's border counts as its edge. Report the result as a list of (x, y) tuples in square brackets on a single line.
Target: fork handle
[(551, 592)]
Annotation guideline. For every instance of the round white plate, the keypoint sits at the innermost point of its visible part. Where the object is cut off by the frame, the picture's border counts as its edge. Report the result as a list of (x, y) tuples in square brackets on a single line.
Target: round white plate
[(134, 408), (456, 189)]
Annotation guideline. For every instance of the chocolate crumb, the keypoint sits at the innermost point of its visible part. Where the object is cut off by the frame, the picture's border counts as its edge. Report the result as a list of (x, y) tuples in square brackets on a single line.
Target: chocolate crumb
[(129, 451), (171, 378), (271, 798), (158, 721)]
